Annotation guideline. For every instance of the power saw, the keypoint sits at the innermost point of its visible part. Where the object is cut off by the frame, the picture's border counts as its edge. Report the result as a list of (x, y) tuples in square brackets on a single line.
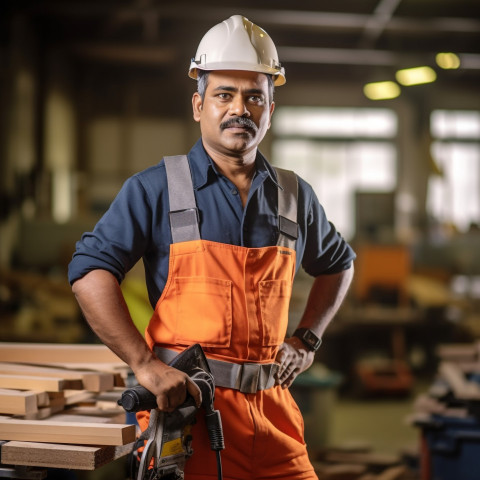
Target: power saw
[(168, 438)]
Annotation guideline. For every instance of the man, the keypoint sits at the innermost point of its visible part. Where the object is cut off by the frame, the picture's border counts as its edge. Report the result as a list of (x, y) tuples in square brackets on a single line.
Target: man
[(221, 244)]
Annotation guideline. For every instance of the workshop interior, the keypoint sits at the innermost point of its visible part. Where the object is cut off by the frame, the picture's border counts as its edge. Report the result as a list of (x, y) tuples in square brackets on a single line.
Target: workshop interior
[(380, 113)]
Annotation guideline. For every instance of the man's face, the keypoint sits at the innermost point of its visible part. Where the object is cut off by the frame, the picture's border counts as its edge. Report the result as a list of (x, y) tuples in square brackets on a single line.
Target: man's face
[(235, 113)]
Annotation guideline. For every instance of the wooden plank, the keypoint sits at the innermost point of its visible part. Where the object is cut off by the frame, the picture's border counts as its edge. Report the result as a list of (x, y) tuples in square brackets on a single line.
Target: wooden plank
[(43, 399), (120, 378), (47, 384), (427, 404), (94, 367), (111, 396), (52, 399), (15, 402), (393, 473), (81, 433), (57, 399), (92, 381), (111, 415), (44, 412), (91, 414), (78, 396), (119, 371), (462, 388), (76, 457), (69, 418), (45, 353), (469, 367), (457, 352)]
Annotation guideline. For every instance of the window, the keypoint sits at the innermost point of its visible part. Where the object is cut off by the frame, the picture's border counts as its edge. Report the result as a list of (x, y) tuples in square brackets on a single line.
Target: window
[(453, 192), (340, 152)]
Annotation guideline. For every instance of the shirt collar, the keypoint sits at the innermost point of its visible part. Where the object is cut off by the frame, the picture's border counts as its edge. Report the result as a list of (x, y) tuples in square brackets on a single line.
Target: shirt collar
[(202, 167)]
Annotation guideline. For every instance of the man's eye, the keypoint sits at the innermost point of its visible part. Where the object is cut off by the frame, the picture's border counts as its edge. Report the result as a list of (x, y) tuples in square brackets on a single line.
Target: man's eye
[(256, 99), (224, 96)]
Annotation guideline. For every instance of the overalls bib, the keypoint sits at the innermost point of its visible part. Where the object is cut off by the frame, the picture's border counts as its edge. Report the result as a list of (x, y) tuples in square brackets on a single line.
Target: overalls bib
[(233, 300)]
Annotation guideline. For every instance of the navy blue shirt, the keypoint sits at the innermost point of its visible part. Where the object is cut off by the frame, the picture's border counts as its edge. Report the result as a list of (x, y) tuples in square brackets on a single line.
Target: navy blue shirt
[(137, 223)]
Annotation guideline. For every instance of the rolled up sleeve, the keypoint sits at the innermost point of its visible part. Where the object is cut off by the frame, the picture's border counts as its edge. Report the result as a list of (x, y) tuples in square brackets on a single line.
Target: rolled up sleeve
[(120, 237)]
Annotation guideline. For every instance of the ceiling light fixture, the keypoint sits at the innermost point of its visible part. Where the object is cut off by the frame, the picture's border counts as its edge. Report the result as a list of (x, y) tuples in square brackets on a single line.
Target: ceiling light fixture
[(416, 76), (447, 60), (381, 90)]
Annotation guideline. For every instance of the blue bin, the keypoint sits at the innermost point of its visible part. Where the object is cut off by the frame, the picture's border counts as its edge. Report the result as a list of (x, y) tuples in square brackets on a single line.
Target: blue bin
[(453, 447)]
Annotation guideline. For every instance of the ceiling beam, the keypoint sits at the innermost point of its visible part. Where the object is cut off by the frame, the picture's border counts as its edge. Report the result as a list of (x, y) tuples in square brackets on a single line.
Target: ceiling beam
[(292, 18), (377, 22), (366, 57)]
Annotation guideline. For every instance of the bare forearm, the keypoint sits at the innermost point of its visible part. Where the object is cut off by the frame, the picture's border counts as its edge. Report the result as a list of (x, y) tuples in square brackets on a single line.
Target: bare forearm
[(102, 303), (104, 307), (325, 298)]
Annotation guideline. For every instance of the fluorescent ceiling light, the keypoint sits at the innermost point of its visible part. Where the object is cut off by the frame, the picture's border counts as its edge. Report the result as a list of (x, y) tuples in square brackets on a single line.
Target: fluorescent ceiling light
[(447, 60), (416, 76), (381, 90)]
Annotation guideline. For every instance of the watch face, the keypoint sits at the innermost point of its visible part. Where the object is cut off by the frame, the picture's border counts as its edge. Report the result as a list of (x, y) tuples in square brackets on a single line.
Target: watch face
[(310, 338)]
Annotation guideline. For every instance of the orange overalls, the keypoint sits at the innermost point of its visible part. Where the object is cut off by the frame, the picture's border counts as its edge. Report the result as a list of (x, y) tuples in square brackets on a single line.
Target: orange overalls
[(234, 301)]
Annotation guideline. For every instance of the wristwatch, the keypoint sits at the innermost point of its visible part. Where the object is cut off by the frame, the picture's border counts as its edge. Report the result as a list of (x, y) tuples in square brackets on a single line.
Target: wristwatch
[(310, 340)]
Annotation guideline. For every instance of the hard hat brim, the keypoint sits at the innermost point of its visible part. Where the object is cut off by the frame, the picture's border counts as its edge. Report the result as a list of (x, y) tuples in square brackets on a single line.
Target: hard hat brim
[(277, 74)]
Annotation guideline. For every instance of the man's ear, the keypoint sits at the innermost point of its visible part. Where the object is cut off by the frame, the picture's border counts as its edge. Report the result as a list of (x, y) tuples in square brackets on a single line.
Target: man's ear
[(272, 108), (197, 106)]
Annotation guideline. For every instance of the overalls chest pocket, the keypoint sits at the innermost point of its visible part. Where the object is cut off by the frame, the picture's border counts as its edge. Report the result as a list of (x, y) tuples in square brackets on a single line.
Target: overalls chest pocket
[(203, 311), (274, 298)]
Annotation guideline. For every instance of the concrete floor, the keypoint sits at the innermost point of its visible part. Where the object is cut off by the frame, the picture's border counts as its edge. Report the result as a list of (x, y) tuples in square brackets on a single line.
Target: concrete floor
[(378, 423), (338, 420)]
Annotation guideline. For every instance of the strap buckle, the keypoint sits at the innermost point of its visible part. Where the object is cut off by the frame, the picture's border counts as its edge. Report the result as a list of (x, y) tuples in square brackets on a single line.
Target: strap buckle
[(184, 224), (287, 227)]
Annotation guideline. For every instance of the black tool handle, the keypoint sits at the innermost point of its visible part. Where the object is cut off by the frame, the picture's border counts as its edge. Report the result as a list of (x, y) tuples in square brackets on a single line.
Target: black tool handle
[(137, 398)]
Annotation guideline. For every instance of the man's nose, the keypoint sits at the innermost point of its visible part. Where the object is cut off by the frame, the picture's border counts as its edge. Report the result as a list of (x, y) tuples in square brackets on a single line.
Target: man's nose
[(238, 107)]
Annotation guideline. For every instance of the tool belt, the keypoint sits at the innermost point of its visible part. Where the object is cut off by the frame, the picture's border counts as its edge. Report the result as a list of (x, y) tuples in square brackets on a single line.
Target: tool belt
[(245, 377)]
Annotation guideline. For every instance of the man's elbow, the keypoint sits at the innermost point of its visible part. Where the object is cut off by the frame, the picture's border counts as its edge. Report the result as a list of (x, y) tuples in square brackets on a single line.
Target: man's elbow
[(91, 281), (79, 285)]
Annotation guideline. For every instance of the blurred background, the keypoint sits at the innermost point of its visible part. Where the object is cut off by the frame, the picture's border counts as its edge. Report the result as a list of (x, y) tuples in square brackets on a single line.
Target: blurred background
[(380, 113)]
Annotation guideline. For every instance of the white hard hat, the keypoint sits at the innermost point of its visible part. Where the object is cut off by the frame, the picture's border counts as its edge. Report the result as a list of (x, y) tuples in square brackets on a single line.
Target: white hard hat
[(238, 44)]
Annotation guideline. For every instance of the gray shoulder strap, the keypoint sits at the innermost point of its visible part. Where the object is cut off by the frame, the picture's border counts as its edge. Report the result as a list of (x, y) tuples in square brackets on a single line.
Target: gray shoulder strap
[(183, 207), (287, 208)]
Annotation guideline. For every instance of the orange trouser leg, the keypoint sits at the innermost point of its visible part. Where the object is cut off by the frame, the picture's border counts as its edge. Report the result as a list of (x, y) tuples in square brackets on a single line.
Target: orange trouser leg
[(263, 439)]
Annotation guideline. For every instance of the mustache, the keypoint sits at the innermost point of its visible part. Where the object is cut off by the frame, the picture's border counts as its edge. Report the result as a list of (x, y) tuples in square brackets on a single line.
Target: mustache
[(238, 122)]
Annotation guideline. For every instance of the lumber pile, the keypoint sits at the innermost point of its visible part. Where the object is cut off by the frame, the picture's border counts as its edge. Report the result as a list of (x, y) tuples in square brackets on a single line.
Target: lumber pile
[(448, 415), (455, 391), (58, 406)]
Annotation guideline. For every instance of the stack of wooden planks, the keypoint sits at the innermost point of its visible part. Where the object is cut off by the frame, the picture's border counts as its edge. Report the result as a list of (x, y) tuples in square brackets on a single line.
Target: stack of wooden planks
[(58, 406), (455, 391), (448, 415)]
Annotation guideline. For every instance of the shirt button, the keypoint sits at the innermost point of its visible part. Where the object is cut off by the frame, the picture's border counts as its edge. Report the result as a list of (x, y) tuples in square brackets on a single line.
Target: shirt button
[(234, 191)]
